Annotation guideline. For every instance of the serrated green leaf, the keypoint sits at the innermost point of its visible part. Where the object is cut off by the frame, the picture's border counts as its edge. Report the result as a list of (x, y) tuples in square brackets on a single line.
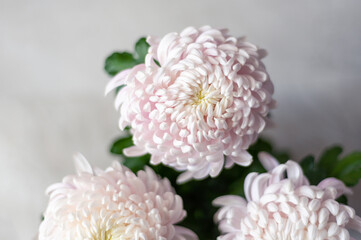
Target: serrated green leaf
[(141, 49), (121, 143), (329, 158), (348, 169), (117, 62)]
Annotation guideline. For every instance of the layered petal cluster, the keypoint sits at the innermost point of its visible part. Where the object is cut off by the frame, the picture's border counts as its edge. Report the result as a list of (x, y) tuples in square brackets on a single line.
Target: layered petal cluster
[(280, 207), (113, 204), (209, 96)]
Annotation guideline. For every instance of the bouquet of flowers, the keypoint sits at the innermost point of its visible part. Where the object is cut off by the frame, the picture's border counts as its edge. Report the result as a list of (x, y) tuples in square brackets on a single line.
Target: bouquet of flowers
[(192, 165)]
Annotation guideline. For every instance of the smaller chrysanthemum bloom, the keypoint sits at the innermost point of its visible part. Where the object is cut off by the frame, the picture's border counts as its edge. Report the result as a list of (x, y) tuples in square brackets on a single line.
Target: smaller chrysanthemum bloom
[(286, 207), (209, 98), (113, 204)]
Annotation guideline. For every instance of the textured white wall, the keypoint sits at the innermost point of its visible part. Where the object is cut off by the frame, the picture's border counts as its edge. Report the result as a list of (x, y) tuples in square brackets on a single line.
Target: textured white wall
[(52, 82)]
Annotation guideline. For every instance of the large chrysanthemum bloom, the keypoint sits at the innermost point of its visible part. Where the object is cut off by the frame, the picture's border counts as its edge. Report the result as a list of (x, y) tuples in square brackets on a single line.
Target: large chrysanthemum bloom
[(279, 207), (114, 204), (209, 97)]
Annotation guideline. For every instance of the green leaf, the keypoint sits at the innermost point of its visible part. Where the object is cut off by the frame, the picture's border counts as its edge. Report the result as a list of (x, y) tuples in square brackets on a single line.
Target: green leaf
[(308, 164), (343, 199), (141, 49), (121, 143), (156, 62), (329, 158), (260, 145), (236, 188), (136, 163), (311, 170), (117, 62), (348, 169), (352, 177)]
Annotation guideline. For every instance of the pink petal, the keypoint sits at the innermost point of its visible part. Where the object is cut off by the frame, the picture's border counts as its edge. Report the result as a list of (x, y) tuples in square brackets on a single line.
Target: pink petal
[(278, 173), (294, 173), (184, 234), (229, 200), (248, 185), (117, 81), (122, 94), (242, 159), (339, 185), (259, 185), (82, 165), (268, 161), (134, 151), (184, 177), (355, 224)]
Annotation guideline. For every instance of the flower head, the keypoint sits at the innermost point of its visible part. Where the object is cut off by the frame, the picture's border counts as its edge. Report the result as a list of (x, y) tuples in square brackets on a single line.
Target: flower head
[(113, 204), (209, 97), (286, 208)]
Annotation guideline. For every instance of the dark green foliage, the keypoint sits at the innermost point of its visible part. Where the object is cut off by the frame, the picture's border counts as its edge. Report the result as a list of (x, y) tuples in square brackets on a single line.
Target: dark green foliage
[(141, 49), (347, 169), (119, 61), (311, 169), (120, 144), (342, 199), (198, 195)]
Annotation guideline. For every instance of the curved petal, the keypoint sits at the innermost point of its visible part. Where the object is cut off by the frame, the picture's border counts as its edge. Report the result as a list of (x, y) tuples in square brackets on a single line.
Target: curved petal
[(184, 177), (248, 185), (242, 159), (259, 185), (268, 161), (117, 81), (134, 151), (182, 233), (278, 173), (337, 184), (81, 164), (229, 200), (120, 98), (294, 173), (355, 224)]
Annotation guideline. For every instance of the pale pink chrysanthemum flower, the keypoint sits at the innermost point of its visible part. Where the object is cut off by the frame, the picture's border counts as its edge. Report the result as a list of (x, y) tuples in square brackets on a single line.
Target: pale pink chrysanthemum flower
[(279, 207), (210, 97), (113, 204)]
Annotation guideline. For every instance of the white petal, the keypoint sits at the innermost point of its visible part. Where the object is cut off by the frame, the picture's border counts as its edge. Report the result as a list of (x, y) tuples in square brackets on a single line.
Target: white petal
[(268, 161), (82, 164), (117, 81), (134, 151), (337, 184), (229, 200)]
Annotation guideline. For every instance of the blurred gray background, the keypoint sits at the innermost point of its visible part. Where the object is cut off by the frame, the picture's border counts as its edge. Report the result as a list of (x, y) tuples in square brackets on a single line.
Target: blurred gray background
[(52, 81)]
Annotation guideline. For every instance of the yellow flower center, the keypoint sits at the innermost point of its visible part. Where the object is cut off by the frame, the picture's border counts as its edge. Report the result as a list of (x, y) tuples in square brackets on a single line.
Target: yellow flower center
[(114, 233), (200, 98)]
